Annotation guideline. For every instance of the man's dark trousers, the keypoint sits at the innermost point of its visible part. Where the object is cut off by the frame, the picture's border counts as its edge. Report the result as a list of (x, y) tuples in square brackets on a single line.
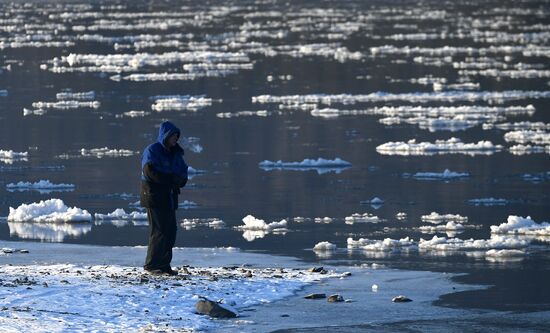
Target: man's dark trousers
[(162, 229)]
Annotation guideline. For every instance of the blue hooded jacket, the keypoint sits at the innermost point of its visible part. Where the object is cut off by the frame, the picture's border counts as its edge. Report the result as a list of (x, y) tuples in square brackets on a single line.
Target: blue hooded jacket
[(163, 170)]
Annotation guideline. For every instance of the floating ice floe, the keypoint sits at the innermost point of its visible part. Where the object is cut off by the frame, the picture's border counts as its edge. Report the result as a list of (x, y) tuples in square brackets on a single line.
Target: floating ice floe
[(42, 186), (436, 218), (417, 97), (517, 225), (321, 165), (324, 246), (186, 204), (48, 232), (106, 152), (213, 223), (64, 105), (259, 113), (437, 86), (255, 228), (387, 244), (455, 244), (449, 226), (528, 149), (52, 210), (450, 146), (10, 156), (324, 220), (528, 136), (120, 214), (362, 218), (86, 96), (38, 112), (3, 93), (522, 125), (180, 103), (134, 114), (401, 216), (488, 202), (445, 175)]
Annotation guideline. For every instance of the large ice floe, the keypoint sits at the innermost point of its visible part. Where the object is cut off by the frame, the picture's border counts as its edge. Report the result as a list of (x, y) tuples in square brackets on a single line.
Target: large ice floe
[(67, 297), (42, 186), (10, 156), (214, 223), (437, 218), (321, 165), (52, 210), (450, 146), (538, 137), (254, 228), (517, 225), (496, 97)]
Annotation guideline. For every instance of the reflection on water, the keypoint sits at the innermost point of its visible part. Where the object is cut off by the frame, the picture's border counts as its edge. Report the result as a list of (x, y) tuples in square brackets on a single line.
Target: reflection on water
[(49, 232)]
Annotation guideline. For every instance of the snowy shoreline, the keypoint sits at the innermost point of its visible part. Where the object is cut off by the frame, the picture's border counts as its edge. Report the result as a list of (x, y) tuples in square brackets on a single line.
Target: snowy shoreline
[(63, 287)]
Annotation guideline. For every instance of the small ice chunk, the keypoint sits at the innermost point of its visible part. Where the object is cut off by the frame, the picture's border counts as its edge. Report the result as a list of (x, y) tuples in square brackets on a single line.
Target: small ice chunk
[(324, 246)]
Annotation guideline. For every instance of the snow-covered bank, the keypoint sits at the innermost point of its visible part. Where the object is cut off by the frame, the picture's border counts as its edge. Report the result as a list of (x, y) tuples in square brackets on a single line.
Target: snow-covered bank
[(107, 290), (89, 298)]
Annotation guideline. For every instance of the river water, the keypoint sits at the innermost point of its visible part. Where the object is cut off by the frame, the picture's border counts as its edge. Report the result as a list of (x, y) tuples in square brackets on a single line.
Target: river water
[(272, 80)]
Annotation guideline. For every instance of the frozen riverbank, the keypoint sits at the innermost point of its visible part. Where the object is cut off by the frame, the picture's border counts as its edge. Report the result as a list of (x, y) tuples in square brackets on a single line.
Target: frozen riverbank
[(65, 287)]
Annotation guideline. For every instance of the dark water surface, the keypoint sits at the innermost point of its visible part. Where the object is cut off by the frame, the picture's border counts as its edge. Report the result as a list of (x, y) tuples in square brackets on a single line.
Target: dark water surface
[(294, 48)]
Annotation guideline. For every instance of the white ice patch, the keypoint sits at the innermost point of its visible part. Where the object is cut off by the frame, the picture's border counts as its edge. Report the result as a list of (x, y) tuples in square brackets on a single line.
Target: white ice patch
[(87, 95), (387, 244), (321, 165), (505, 253), (488, 202), (362, 218), (213, 223), (106, 152), (528, 136), (449, 226), (67, 297), (417, 97), (187, 204), (450, 146), (10, 156), (324, 246), (528, 149), (120, 214), (65, 105), (437, 218), (52, 210), (42, 186), (456, 244), (259, 113), (445, 175), (254, 228), (3, 93), (180, 103), (517, 225)]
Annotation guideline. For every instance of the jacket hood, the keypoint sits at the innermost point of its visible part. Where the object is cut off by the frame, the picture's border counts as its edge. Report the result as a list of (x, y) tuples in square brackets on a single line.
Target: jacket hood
[(166, 129)]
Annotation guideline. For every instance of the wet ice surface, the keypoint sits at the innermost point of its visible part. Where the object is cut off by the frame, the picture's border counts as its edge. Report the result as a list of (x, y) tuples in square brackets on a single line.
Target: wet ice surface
[(453, 93)]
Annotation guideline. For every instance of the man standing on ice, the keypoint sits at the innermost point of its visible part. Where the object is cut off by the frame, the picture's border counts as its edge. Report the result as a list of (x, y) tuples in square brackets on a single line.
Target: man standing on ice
[(163, 173)]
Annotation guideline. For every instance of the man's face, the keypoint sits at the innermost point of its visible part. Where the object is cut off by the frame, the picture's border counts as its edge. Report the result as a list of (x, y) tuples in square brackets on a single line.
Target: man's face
[(172, 140)]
